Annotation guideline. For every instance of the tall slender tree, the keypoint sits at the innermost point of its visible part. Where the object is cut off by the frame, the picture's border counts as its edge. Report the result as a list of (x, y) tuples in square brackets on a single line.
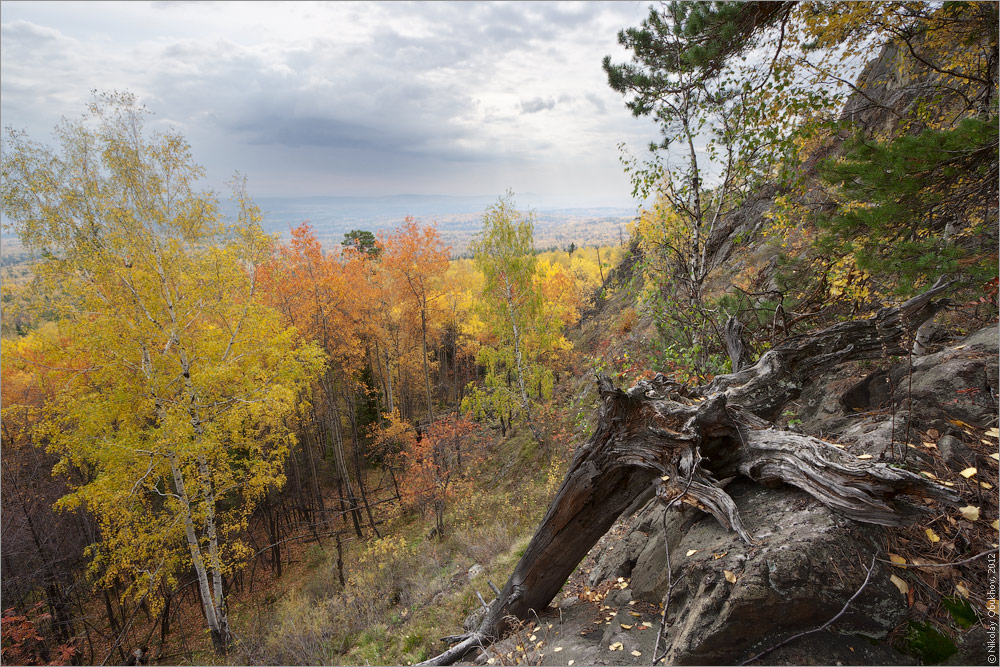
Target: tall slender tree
[(416, 258), (316, 292), (505, 254), (178, 380)]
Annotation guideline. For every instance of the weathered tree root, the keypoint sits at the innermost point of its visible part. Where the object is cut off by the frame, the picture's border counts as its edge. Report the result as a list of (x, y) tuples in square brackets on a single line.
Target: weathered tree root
[(685, 440)]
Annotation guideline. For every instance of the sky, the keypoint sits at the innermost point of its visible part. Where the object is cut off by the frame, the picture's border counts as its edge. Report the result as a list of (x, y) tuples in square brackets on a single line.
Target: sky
[(340, 98)]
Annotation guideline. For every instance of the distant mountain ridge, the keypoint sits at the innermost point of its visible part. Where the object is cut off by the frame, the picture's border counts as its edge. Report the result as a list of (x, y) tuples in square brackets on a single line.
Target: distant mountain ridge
[(558, 221)]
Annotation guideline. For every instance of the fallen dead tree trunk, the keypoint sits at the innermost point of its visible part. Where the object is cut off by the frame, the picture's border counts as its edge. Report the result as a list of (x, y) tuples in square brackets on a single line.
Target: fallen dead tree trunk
[(687, 442)]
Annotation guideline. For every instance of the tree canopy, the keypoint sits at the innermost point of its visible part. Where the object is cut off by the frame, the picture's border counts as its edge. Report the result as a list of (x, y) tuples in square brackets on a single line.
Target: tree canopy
[(176, 379)]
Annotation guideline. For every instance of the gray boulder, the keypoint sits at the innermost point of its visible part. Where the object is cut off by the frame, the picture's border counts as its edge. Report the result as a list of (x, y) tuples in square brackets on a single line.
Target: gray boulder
[(807, 563)]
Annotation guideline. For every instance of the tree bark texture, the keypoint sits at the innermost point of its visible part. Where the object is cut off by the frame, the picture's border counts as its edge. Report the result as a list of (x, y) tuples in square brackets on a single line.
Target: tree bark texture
[(735, 344), (688, 442)]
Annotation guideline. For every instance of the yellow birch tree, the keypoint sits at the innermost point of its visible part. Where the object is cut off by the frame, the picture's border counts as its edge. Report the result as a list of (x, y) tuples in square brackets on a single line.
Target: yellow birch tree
[(174, 427)]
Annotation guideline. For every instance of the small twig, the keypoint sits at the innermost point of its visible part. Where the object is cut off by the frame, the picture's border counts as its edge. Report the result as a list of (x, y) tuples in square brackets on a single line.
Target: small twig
[(695, 460), (909, 393), (493, 587), (958, 562), (670, 587), (480, 596), (868, 575)]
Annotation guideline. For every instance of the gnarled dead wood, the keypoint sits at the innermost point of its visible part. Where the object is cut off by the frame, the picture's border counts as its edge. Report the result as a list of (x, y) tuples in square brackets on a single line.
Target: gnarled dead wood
[(736, 346), (779, 375), (684, 440)]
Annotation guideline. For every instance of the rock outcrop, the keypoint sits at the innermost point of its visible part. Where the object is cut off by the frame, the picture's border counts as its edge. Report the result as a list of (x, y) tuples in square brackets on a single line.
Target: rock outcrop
[(807, 560)]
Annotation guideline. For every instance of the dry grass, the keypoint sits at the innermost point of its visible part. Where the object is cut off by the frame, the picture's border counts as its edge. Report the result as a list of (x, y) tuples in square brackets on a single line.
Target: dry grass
[(406, 591)]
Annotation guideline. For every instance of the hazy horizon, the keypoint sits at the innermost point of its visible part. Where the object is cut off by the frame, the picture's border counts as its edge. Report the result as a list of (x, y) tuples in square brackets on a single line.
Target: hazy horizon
[(558, 220), (346, 99)]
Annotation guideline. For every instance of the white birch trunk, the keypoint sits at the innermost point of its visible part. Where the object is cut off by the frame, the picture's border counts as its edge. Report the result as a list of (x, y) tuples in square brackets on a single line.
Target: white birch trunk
[(197, 559)]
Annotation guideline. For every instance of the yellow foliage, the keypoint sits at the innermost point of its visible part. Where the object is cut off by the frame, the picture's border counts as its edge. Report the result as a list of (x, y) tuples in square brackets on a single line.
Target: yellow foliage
[(846, 280), (166, 379)]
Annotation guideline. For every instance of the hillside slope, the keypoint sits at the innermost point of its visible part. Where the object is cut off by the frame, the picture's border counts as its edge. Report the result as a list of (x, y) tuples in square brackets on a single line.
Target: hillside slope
[(908, 595)]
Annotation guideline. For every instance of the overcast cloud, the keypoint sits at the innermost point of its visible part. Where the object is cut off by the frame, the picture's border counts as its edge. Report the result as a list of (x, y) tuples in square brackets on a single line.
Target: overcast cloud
[(346, 98)]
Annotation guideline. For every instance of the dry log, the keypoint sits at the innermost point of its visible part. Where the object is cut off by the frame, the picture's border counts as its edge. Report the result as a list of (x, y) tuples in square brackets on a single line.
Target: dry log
[(736, 346), (683, 441)]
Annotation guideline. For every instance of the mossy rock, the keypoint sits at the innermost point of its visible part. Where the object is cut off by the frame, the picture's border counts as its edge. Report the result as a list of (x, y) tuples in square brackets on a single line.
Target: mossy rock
[(928, 643)]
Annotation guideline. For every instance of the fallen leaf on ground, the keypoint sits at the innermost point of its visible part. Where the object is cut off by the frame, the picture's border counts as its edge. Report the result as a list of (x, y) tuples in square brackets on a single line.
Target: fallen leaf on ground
[(932, 536), (929, 445), (968, 472), (636, 653), (617, 646), (718, 556), (625, 627), (636, 614), (691, 552), (970, 513), (865, 456), (557, 649), (730, 577), (897, 559), (962, 590), (993, 433), (900, 584), (571, 662)]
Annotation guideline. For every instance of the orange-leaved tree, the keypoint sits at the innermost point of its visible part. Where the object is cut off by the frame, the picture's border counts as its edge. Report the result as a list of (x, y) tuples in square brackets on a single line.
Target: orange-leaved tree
[(319, 293), (24, 645), (435, 461), (415, 259)]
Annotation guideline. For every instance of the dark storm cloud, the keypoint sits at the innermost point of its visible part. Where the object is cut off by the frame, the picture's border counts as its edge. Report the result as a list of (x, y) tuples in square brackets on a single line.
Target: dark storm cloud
[(537, 104), (324, 132), (375, 106), (28, 32), (597, 102)]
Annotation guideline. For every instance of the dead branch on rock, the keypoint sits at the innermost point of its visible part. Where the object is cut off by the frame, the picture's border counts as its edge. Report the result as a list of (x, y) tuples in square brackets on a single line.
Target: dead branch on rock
[(953, 564), (662, 428), (671, 503), (760, 655)]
